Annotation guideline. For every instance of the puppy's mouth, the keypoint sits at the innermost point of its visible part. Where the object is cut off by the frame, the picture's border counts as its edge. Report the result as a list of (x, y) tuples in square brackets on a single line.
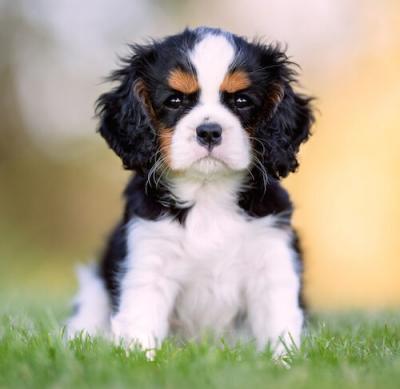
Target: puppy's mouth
[(211, 156), (210, 164)]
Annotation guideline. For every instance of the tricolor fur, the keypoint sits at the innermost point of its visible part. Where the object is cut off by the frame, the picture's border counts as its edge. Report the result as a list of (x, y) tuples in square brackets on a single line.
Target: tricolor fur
[(209, 122)]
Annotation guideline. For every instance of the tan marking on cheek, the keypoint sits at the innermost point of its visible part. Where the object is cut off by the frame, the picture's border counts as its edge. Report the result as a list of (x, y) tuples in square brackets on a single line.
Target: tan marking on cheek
[(165, 144), (273, 98), (234, 82), (140, 89), (165, 134), (275, 94), (183, 81)]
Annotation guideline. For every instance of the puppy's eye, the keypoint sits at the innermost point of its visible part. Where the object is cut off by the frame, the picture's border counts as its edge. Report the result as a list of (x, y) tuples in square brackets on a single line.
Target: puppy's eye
[(174, 101), (242, 101)]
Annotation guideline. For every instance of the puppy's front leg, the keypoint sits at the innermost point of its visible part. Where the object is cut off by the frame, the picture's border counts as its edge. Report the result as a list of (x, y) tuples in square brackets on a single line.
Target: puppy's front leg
[(147, 298), (272, 295)]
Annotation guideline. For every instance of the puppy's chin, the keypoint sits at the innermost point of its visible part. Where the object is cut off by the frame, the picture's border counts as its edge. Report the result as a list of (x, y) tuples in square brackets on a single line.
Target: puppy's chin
[(199, 162), (209, 166)]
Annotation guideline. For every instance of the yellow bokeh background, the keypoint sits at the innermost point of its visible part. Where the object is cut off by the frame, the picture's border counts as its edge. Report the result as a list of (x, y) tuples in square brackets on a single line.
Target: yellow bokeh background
[(60, 186)]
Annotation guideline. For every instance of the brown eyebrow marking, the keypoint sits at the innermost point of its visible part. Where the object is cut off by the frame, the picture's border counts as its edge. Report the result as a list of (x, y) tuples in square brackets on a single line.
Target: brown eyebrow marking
[(235, 81), (183, 81)]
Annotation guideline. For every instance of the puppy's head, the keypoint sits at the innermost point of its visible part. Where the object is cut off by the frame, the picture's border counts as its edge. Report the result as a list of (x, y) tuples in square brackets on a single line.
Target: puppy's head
[(206, 101)]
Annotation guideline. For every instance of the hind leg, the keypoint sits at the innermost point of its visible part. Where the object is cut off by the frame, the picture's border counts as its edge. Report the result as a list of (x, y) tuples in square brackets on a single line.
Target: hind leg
[(93, 309)]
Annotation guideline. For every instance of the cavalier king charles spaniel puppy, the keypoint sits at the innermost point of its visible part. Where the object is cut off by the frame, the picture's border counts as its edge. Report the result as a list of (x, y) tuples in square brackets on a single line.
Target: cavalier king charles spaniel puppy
[(209, 122)]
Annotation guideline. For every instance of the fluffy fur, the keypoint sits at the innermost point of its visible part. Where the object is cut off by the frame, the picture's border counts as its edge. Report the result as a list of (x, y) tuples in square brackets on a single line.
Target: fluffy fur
[(209, 122)]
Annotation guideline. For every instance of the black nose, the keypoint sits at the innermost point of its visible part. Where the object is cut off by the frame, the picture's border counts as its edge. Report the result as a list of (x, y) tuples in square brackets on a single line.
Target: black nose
[(209, 134)]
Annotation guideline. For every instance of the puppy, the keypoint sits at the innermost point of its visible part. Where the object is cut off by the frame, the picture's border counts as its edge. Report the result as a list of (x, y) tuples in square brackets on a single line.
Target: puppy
[(209, 122)]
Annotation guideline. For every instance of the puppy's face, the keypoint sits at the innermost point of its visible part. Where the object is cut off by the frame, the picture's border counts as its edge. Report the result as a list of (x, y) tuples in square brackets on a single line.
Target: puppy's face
[(206, 101), (202, 108)]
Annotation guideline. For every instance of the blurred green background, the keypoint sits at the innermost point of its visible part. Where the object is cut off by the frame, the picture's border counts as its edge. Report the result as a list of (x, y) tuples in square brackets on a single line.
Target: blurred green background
[(60, 186)]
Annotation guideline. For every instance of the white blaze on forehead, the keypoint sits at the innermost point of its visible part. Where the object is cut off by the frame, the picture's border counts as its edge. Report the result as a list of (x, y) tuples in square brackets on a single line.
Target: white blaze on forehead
[(211, 58)]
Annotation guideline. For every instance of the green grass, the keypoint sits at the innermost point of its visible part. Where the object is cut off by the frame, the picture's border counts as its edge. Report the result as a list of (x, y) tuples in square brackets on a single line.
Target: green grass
[(339, 351)]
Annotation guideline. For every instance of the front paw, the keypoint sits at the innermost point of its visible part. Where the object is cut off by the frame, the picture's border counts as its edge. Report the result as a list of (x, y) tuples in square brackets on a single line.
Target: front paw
[(282, 346), (130, 336)]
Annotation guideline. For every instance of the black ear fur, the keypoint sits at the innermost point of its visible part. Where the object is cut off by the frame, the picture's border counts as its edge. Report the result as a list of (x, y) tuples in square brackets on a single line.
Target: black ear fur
[(124, 120), (283, 133)]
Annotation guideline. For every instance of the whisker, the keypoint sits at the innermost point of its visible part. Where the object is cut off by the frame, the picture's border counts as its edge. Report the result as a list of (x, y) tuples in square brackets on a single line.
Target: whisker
[(264, 174), (160, 161), (165, 169), (251, 174), (259, 142)]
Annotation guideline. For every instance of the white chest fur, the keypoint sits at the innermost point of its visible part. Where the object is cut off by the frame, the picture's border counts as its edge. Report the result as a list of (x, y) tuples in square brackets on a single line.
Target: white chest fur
[(207, 269), (213, 243)]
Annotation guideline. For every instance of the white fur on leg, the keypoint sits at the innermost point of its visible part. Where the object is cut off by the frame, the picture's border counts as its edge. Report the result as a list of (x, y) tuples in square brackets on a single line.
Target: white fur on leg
[(272, 294), (147, 295), (93, 306)]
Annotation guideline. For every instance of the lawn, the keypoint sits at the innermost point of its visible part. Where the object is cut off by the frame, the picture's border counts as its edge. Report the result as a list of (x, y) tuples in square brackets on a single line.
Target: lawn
[(353, 350)]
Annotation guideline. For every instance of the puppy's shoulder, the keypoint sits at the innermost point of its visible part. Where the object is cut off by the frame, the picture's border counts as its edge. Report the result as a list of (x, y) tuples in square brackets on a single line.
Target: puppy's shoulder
[(271, 199)]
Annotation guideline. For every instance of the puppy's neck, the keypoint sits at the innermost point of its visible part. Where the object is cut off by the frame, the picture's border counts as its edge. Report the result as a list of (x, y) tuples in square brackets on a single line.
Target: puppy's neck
[(190, 190)]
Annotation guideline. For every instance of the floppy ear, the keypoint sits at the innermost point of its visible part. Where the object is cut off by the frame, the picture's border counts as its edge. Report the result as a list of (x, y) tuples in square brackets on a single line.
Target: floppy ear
[(282, 133), (124, 118)]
